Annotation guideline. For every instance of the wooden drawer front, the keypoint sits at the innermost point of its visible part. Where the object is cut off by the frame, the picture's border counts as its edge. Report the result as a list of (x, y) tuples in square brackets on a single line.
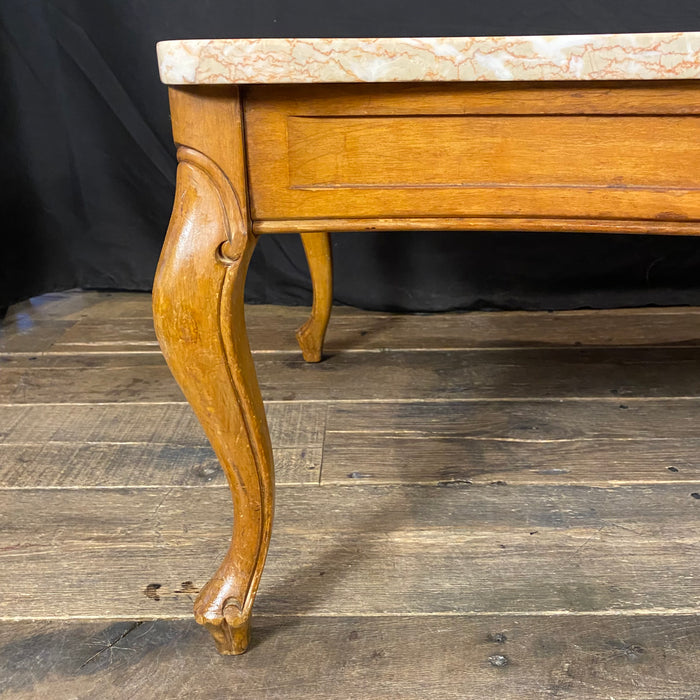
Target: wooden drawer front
[(559, 151)]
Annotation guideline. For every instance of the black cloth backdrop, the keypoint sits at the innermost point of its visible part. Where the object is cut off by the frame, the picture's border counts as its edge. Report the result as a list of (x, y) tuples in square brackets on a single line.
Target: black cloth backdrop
[(88, 164)]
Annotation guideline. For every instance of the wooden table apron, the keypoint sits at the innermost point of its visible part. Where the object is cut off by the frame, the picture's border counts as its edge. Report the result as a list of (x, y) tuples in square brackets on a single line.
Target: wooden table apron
[(570, 156)]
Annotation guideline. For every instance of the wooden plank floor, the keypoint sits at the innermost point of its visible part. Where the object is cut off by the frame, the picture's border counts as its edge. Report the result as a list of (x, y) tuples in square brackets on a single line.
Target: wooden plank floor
[(483, 505)]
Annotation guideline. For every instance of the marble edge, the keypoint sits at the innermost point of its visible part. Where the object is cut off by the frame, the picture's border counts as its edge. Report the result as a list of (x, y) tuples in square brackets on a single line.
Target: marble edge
[(645, 56)]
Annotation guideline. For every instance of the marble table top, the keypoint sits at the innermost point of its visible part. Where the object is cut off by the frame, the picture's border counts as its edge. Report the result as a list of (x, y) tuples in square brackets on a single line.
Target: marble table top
[(661, 56)]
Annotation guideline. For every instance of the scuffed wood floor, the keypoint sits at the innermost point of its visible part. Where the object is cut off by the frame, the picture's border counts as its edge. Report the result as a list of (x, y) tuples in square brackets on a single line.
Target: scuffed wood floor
[(473, 505)]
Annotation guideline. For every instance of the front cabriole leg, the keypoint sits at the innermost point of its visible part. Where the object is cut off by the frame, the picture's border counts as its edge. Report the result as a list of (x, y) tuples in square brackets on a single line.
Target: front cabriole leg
[(200, 323)]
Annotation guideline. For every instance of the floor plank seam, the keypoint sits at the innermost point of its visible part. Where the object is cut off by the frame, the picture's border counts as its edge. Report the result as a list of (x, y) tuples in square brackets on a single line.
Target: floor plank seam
[(357, 351), (323, 447), (360, 482), (399, 435), (646, 612), (438, 400)]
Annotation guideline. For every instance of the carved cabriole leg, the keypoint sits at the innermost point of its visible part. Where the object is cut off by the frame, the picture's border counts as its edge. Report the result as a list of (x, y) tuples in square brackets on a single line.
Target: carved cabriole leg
[(318, 255), (199, 320)]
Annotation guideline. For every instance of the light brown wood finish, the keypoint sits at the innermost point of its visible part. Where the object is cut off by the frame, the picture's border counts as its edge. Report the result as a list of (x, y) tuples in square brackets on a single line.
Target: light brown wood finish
[(473, 156), (199, 320), (483, 223), (317, 246), (458, 152)]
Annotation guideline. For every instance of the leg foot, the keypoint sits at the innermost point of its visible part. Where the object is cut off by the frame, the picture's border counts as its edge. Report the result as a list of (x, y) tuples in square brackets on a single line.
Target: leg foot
[(231, 640), (230, 630), (216, 609), (318, 255)]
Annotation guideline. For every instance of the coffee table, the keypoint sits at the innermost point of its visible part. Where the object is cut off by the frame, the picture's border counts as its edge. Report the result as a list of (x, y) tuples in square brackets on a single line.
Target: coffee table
[(592, 133)]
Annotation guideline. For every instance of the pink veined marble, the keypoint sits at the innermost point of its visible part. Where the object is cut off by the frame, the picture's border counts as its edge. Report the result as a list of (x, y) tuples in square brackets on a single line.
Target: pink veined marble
[(576, 57)]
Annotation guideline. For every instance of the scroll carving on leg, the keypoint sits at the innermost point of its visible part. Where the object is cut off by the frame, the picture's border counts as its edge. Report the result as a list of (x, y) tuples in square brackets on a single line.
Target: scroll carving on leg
[(200, 323), (317, 245)]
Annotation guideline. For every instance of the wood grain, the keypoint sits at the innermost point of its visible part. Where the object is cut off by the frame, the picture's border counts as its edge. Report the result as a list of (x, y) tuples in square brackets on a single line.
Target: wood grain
[(270, 329), (546, 373), (521, 442), (353, 457), (81, 466), (141, 445), (677, 97), (589, 657), (474, 153), (293, 424), (357, 551), (596, 442), (535, 421), (30, 335), (672, 227), (423, 578), (199, 320), (458, 152), (76, 304)]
